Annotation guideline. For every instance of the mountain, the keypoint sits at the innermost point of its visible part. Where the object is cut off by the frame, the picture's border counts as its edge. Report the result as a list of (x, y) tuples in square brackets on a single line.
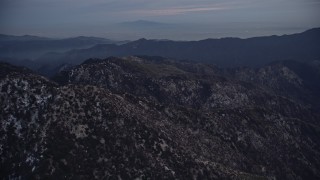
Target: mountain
[(31, 47), (46, 56), (225, 52), (295, 80), (7, 38), (152, 117)]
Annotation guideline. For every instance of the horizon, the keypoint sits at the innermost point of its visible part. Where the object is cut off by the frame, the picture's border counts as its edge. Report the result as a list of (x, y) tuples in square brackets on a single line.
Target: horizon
[(138, 38), (173, 19)]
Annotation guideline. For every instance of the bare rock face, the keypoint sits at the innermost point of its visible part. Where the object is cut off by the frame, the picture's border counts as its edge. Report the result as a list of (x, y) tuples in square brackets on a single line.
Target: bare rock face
[(153, 118)]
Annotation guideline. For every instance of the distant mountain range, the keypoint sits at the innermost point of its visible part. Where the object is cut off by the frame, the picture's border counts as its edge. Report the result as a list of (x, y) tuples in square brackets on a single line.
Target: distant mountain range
[(11, 38), (225, 52), (31, 47)]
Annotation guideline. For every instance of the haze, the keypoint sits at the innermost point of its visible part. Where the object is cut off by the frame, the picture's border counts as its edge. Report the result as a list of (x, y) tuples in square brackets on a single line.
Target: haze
[(165, 19)]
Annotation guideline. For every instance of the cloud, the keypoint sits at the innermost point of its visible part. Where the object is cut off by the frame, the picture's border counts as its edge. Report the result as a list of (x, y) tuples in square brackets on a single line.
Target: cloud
[(167, 11)]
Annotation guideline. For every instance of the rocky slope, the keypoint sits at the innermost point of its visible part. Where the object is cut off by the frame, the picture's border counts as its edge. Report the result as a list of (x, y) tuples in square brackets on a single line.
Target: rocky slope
[(147, 117)]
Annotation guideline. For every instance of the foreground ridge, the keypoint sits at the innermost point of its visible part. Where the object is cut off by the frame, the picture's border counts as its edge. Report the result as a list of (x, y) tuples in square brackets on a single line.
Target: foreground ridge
[(150, 117)]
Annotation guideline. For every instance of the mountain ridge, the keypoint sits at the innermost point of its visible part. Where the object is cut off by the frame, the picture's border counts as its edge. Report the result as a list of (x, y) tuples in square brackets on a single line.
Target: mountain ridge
[(184, 120), (228, 52)]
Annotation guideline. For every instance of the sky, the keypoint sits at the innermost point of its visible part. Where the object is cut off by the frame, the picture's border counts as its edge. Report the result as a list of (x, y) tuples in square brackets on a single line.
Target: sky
[(241, 18)]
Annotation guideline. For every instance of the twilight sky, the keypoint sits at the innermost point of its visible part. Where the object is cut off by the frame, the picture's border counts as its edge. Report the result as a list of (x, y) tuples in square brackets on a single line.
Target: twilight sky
[(61, 18)]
